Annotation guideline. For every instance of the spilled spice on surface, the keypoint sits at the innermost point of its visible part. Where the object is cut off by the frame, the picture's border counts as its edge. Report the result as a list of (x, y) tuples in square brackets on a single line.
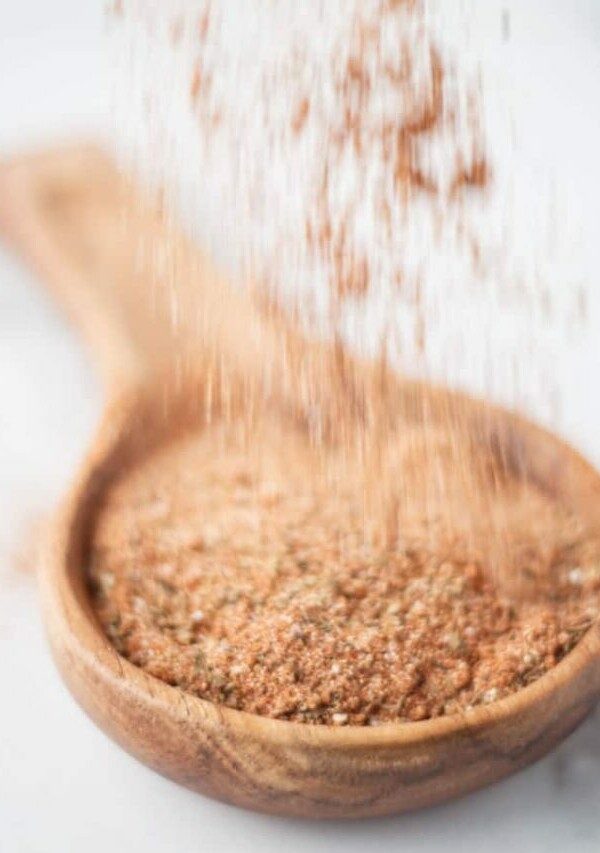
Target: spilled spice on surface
[(221, 565)]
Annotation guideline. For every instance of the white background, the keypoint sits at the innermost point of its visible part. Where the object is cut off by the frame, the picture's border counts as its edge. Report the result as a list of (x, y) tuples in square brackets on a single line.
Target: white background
[(63, 785)]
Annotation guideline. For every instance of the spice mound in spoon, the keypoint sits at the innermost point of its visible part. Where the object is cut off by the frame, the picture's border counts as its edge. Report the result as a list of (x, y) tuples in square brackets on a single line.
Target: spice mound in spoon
[(246, 568)]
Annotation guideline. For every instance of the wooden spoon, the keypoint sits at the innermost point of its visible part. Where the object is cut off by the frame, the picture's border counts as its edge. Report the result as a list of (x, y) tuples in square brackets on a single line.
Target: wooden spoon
[(114, 264)]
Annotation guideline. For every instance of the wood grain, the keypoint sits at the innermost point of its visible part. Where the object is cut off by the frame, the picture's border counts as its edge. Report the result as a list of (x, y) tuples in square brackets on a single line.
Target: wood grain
[(83, 228)]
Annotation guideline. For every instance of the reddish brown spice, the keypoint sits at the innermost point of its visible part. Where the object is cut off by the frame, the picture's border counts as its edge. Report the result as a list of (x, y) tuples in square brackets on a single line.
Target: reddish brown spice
[(176, 30), (204, 25), (224, 565), (196, 84), (398, 141), (417, 80), (477, 176), (301, 115), (360, 583)]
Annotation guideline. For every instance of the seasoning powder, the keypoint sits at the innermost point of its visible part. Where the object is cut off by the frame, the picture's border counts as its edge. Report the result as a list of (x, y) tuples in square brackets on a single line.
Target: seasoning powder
[(374, 579), (235, 567)]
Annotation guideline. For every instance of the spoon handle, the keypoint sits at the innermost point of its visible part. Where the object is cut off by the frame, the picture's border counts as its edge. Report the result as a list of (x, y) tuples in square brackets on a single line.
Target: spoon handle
[(146, 300)]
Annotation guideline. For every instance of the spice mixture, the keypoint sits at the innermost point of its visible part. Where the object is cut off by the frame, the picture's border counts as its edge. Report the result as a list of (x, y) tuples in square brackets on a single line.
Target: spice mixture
[(236, 567), (332, 154)]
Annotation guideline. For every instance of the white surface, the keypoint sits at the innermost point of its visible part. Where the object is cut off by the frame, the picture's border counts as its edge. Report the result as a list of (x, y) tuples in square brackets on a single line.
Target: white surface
[(63, 785)]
